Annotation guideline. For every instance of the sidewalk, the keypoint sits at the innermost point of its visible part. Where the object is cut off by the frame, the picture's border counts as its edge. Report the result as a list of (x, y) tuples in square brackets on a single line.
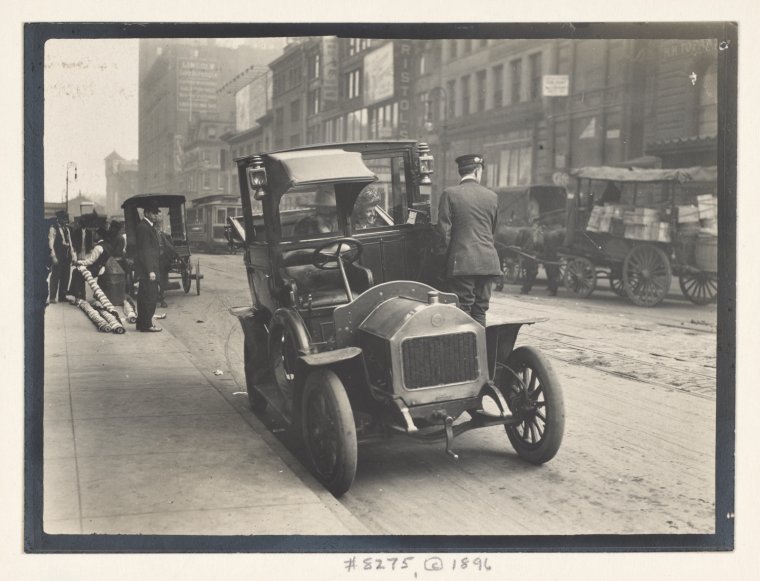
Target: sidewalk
[(138, 441)]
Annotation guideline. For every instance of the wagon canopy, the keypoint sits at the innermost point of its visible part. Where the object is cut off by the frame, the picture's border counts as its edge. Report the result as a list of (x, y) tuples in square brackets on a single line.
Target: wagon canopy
[(296, 168), (618, 174), (163, 200)]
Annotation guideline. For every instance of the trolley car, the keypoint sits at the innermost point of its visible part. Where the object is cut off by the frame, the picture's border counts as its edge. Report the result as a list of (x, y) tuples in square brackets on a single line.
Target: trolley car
[(639, 227), (207, 222)]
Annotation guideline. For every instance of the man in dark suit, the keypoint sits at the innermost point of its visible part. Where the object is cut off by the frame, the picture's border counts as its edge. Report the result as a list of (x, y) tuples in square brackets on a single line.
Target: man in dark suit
[(146, 268), (61, 256), (467, 221)]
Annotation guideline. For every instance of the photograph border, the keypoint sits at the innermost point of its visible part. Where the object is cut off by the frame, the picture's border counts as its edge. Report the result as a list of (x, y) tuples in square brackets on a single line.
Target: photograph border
[(37, 541)]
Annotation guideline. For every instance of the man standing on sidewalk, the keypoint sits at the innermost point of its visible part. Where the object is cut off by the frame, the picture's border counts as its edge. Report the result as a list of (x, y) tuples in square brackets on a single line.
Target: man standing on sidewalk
[(146, 269), (467, 222), (61, 256)]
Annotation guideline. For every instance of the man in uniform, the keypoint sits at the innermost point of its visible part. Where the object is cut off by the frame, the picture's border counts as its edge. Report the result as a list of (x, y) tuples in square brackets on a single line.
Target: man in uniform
[(147, 269), (467, 221)]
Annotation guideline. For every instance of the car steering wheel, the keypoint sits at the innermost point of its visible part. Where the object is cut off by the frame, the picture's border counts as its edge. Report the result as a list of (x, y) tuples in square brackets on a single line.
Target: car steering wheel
[(326, 256)]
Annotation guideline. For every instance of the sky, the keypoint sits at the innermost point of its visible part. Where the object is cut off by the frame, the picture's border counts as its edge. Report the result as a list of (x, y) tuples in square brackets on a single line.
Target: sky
[(90, 111)]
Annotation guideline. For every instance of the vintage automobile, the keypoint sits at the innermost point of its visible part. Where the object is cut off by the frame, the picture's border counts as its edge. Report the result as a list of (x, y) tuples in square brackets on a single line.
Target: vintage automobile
[(346, 340), (174, 226)]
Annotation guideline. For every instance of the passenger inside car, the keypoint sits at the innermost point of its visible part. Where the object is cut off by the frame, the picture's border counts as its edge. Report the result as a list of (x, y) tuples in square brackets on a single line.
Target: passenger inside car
[(325, 218)]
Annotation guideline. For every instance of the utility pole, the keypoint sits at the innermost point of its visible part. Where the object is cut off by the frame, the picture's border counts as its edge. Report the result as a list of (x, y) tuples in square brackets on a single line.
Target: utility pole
[(68, 166)]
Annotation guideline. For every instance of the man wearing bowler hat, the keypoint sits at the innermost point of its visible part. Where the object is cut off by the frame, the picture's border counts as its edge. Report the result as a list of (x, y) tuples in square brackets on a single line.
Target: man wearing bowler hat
[(61, 256), (147, 268), (467, 221)]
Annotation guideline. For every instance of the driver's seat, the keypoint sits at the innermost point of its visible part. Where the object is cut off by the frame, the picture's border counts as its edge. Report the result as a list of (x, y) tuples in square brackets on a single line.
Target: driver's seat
[(317, 288)]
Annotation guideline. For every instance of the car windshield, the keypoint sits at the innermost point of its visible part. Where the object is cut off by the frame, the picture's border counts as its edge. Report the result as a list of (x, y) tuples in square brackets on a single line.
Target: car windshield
[(309, 211)]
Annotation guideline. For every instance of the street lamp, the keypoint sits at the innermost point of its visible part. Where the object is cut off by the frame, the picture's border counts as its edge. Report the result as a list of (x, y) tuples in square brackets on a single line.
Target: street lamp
[(69, 165)]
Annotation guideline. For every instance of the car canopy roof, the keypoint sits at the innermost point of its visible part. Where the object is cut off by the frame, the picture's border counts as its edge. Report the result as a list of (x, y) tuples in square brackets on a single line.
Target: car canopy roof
[(297, 168), (165, 200), (619, 174)]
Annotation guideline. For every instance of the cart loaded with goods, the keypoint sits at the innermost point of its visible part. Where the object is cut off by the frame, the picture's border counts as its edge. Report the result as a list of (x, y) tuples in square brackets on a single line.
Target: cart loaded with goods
[(640, 227)]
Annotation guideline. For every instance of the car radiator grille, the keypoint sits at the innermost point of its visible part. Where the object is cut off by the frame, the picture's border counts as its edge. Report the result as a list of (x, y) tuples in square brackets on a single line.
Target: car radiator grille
[(440, 360)]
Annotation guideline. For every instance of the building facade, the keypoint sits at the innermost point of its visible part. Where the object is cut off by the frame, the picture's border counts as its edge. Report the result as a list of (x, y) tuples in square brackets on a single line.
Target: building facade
[(182, 113), (121, 182)]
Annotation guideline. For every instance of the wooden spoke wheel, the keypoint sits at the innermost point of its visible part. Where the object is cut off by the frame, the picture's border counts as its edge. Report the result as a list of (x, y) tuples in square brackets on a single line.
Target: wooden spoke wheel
[(534, 396), (616, 284), (646, 275), (329, 432), (700, 288), (187, 277), (580, 277)]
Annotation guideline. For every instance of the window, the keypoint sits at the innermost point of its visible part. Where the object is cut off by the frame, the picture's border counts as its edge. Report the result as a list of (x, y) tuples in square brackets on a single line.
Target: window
[(313, 102), (353, 84), (211, 132), (222, 180), (309, 211), (535, 76), (382, 122), (480, 88), (453, 46), (498, 85), (206, 180), (451, 91), (515, 166), (707, 110), (423, 64), (295, 111), (382, 203), (466, 95), (589, 65), (515, 68), (313, 66), (221, 216)]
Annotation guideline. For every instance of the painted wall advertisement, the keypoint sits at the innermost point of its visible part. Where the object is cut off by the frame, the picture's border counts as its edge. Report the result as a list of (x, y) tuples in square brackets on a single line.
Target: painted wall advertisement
[(197, 81), (378, 75), (253, 101)]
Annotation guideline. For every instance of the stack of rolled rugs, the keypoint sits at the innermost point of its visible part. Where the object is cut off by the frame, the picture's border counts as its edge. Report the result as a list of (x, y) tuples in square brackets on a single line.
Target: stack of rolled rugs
[(102, 313)]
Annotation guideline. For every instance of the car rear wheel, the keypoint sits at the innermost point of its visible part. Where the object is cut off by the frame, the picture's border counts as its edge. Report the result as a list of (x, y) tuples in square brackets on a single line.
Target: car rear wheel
[(534, 396), (329, 432)]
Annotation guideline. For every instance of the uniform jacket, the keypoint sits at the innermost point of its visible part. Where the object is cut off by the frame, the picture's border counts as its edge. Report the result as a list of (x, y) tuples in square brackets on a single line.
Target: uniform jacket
[(59, 238), (147, 250), (467, 216)]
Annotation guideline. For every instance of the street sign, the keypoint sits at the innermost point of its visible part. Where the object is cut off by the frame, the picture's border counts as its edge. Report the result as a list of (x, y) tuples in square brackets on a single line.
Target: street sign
[(555, 85)]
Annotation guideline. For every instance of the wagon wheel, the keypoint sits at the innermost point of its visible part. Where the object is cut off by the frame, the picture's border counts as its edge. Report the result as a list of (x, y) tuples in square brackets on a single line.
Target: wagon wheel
[(186, 276), (616, 284), (700, 288), (534, 396), (646, 275), (256, 400), (329, 432), (580, 277), (198, 277)]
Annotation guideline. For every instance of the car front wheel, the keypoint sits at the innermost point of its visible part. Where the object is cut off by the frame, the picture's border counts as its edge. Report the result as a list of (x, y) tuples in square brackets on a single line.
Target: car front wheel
[(329, 433), (534, 396)]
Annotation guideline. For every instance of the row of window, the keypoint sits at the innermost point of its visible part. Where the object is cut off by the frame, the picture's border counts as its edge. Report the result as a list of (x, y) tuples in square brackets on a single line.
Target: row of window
[(459, 92), (461, 46)]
